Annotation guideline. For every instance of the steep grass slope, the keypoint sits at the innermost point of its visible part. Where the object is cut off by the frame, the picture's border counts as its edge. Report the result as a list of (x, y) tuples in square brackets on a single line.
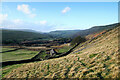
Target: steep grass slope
[(98, 60)]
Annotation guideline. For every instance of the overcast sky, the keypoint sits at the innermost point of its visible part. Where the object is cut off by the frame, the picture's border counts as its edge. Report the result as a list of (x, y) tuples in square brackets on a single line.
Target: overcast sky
[(50, 16)]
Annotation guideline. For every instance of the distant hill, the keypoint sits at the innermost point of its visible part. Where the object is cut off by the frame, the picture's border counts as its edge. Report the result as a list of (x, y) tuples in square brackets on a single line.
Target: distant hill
[(64, 33), (74, 33), (26, 34), (95, 29), (22, 35), (26, 30)]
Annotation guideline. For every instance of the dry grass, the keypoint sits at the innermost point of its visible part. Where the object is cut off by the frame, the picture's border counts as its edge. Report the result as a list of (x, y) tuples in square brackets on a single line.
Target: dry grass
[(102, 65)]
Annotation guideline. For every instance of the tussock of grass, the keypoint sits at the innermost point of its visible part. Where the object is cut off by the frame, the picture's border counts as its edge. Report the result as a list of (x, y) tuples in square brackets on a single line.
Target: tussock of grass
[(92, 55), (7, 69)]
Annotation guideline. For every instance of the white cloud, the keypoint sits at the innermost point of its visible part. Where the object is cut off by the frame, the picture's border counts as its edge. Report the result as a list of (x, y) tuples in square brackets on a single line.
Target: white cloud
[(32, 15), (20, 24), (66, 9), (43, 22), (42, 26), (18, 21), (3, 17), (6, 23), (15, 24), (25, 9)]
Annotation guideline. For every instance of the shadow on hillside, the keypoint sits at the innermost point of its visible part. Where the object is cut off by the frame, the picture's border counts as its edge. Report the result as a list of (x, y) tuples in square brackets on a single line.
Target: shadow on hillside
[(17, 62)]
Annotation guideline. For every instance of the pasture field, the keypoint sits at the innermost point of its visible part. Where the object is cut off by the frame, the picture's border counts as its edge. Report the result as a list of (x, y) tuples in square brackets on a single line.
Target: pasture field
[(22, 54), (17, 55), (63, 49), (6, 49)]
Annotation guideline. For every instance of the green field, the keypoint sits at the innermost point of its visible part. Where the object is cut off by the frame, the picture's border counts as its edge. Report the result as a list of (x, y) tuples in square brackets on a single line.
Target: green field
[(23, 54), (20, 54), (63, 49), (6, 49)]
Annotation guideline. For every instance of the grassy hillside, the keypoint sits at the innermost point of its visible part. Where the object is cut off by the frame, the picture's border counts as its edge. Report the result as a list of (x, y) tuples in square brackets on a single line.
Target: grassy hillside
[(74, 33), (98, 60), (64, 33), (95, 29), (22, 35)]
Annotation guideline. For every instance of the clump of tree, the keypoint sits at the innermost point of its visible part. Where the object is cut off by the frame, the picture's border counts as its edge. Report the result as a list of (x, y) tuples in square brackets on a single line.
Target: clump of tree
[(16, 42), (78, 40), (63, 40)]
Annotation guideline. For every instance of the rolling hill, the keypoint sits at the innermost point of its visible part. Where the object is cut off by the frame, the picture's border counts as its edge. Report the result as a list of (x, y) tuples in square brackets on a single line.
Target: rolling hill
[(21, 35), (95, 29), (96, 59), (24, 34), (64, 33), (74, 33)]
